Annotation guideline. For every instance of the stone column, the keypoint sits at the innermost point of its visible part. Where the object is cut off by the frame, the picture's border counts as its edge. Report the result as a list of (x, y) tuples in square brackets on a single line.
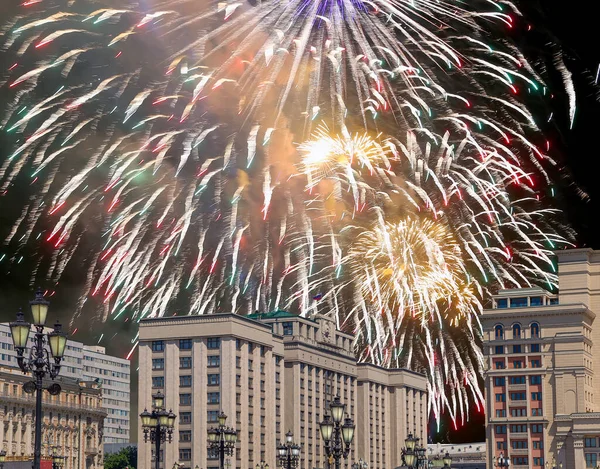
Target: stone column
[(10, 435), (578, 452), (28, 433)]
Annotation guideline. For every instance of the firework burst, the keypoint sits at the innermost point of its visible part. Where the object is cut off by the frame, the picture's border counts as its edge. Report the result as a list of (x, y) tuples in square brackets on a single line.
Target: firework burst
[(163, 139)]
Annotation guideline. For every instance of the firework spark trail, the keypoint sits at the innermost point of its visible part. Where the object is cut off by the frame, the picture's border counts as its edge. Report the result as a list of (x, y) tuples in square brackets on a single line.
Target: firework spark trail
[(412, 123)]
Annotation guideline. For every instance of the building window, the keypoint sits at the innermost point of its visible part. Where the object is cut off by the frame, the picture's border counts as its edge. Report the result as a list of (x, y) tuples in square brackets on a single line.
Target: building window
[(538, 444), (518, 302), (535, 330), (158, 381), (185, 381), (288, 328), (520, 461), (185, 454), (519, 444), (518, 364), (499, 332), (214, 379), (534, 348), (185, 399), (536, 412), (518, 396), (213, 361), (214, 397), (158, 363), (516, 331), (499, 349), (591, 459), (517, 380), (500, 397), (500, 429), (185, 344), (518, 428), (502, 303), (536, 363), (535, 379), (500, 412), (213, 343), (185, 363), (591, 442), (501, 445), (536, 396), (212, 416), (499, 365), (185, 417), (158, 345), (518, 412), (238, 344), (516, 348), (553, 301), (536, 301), (499, 381), (185, 435), (537, 428)]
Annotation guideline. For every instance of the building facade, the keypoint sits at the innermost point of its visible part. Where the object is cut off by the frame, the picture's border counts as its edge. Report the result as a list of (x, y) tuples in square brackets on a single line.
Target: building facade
[(83, 362), (271, 373), (541, 380), (72, 421)]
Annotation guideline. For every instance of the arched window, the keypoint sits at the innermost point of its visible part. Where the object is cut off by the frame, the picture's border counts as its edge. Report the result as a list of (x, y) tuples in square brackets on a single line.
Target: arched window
[(517, 331), (535, 330), (499, 332)]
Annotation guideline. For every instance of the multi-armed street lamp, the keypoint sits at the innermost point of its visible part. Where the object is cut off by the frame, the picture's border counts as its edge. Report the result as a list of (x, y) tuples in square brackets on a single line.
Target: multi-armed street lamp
[(501, 461), (360, 464), (221, 440), (2, 458), (560, 465), (39, 363), (158, 425), (288, 453), (414, 456), (337, 436), (58, 461)]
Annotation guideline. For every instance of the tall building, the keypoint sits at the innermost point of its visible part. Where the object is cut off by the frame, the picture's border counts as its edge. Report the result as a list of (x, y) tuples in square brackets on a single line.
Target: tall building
[(83, 362), (543, 408), (271, 373), (72, 421)]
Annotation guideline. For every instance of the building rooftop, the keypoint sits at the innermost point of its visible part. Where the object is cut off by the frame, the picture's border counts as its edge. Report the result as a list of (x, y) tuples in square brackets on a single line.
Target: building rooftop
[(279, 314)]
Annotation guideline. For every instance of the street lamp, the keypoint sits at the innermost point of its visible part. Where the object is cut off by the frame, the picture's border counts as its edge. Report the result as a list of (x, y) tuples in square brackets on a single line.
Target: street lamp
[(501, 461), (447, 460), (262, 465), (158, 425), (57, 461), (2, 458), (554, 466), (360, 464), (337, 436), (39, 362), (288, 453), (409, 454), (221, 440)]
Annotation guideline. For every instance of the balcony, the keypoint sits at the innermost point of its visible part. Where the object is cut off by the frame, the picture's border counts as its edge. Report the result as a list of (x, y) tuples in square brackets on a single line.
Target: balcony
[(517, 387), (519, 451), (91, 450)]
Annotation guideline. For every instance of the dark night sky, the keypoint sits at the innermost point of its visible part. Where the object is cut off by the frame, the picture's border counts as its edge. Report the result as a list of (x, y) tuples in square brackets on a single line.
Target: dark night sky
[(575, 26)]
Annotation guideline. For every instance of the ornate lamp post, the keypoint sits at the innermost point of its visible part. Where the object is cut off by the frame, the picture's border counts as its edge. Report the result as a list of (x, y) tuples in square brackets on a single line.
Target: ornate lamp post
[(262, 465), (448, 460), (337, 436), (559, 466), (221, 440), (157, 425), (408, 453), (57, 461), (360, 464), (501, 461), (2, 458), (288, 453), (420, 452), (39, 363)]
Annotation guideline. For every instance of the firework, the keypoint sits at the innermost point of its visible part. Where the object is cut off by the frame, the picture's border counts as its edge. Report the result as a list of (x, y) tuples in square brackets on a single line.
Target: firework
[(165, 140)]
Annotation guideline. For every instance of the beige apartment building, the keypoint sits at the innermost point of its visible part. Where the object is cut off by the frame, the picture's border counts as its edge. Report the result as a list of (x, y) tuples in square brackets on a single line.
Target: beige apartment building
[(542, 369), (271, 373), (73, 421)]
